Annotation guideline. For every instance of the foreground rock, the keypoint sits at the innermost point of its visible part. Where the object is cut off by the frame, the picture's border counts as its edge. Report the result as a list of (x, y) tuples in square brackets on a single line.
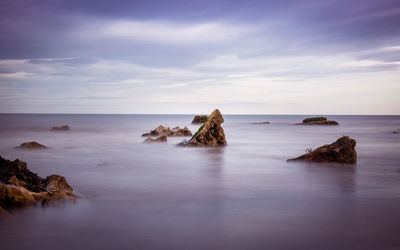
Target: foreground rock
[(210, 133), (158, 139), (318, 121), (199, 119), (167, 131), (31, 145), (342, 151), (19, 186), (61, 128)]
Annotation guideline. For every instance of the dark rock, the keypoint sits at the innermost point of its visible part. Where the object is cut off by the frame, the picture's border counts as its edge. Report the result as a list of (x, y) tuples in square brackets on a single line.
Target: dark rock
[(260, 123), (318, 121), (342, 151), (396, 131), (19, 186), (167, 131), (210, 133), (199, 119), (61, 128), (162, 138), (3, 212), (31, 145)]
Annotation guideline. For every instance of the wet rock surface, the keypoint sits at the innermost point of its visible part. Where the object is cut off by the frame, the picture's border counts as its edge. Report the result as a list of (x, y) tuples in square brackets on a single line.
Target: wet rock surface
[(341, 151), (19, 186), (210, 133), (61, 128), (318, 121), (158, 139), (199, 119), (167, 131), (31, 145)]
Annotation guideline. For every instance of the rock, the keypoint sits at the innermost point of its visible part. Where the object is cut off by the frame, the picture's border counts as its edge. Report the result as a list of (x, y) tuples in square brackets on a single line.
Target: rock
[(260, 123), (199, 119), (3, 212), (61, 128), (31, 145), (396, 131), (342, 151), (167, 131), (159, 139), (318, 121), (19, 186), (210, 133)]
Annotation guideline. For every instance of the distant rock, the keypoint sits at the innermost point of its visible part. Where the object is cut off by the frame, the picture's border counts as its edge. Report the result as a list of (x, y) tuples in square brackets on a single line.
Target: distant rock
[(199, 119), (260, 123), (318, 121), (210, 133), (342, 151), (162, 138), (19, 186), (31, 145), (396, 131), (61, 128), (167, 131)]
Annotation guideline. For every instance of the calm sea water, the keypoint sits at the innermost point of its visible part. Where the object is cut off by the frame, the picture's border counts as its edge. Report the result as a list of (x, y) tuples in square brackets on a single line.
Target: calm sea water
[(243, 196)]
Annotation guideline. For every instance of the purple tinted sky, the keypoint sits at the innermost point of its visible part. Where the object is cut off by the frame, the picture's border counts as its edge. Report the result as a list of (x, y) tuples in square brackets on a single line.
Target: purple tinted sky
[(191, 56)]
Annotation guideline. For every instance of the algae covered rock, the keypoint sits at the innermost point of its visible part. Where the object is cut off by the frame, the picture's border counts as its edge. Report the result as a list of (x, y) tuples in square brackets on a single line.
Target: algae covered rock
[(318, 121), (31, 145), (210, 133), (162, 138), (342, 151), (61, 128), (199, 119)]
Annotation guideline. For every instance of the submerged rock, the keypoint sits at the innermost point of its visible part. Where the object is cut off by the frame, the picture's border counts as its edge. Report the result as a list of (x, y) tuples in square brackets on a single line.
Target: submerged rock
[(167, 131), (199, 119), (318, 121), (260, 123), (162, 138), (19, 186), (61, 128), (342, 151), (31, 145), (210, 133)]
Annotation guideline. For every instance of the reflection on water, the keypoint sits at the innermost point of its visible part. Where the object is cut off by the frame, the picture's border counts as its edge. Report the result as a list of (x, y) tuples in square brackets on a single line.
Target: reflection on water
[(243, 196)]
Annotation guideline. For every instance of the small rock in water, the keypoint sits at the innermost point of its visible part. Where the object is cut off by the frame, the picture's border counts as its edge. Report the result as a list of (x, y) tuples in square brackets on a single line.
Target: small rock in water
[(167, 131), (260, 123), (61, 128), (342, 151), (162, 138), (318, 121), (396, 131), (210, 133), (199, 119), (31, 145)]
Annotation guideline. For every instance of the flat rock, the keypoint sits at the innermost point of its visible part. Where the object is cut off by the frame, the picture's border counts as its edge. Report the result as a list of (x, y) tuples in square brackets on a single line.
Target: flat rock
[(61, 128), (210, 133), (199, 119), (162, 138), (342, 151), (318, 121), (31, 145), (260, 123)]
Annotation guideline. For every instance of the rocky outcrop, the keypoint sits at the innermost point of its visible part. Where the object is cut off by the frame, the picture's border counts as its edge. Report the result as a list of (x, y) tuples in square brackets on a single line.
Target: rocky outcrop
[(158, 139), (210, 133), (342, 151), (260, 123), (318, 121), (199, 119), (167, 131), (61, 128), (19, 186), (31, 145)]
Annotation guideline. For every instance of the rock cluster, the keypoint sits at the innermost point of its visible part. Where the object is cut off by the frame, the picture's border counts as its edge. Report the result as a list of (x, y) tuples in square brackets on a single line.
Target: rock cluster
[(342, 151), (19, 186), (318, 121), (61, 128), (210, 133), (162, 138), (167, 131), (199, 119), (31, 145)]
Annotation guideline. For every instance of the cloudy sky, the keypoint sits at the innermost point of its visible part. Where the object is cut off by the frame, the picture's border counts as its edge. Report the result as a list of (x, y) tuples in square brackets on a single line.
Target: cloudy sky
[(182, 56)]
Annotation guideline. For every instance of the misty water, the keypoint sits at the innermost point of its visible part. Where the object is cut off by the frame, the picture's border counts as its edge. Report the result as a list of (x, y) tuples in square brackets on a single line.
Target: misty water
[(242, 196)]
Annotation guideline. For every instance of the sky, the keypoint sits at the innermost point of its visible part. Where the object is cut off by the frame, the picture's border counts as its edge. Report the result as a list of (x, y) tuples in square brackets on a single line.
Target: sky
[(189, 57)]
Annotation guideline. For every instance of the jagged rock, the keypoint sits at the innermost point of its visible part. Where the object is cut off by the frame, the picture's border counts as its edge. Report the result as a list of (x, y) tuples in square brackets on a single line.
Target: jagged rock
[(61, 128), (260, 123), (318, 121), (31, 145), (19, 186), (199, 119), (342, 151), (158, 139), (210, 133), (167, 131)]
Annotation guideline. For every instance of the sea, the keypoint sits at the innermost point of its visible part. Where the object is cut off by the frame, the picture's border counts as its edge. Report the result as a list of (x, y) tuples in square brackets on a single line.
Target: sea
[(243, 196)]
